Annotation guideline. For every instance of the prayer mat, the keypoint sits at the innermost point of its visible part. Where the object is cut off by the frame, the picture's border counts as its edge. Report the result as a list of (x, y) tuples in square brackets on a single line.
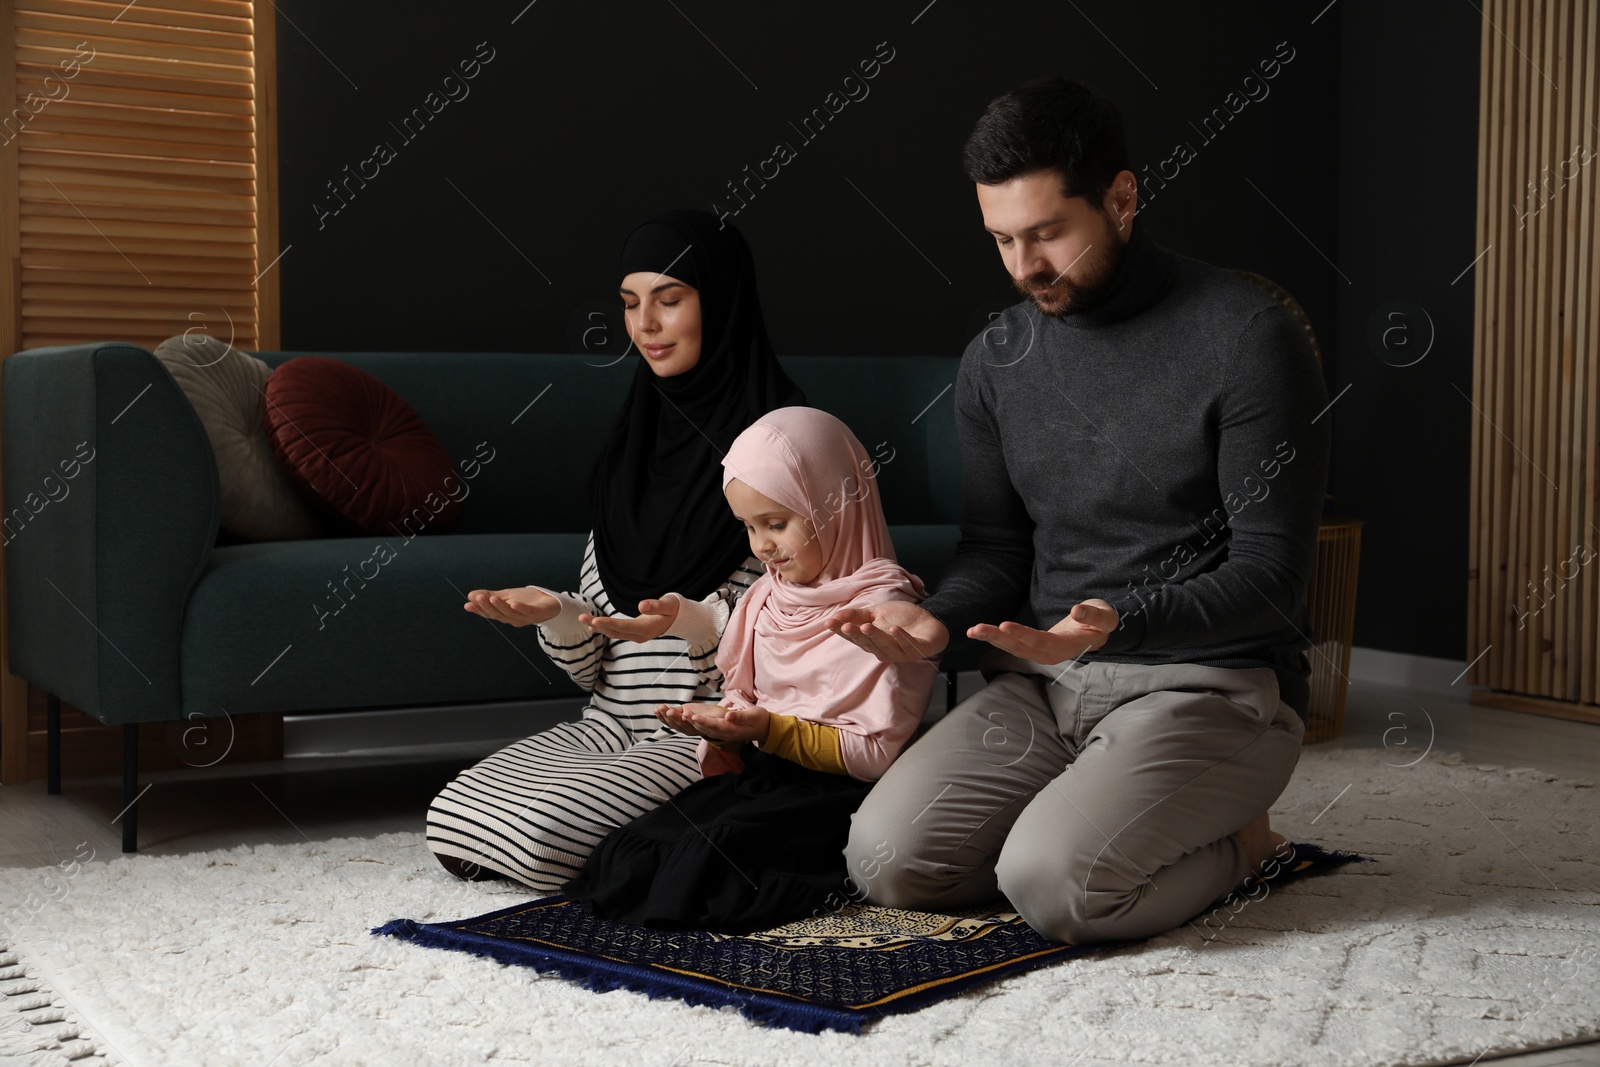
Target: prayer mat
[(835, 970)]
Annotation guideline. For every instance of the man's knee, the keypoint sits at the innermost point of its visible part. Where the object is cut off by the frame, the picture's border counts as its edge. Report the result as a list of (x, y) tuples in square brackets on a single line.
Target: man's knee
[(876, 856), (1050, 891), (889, 861)]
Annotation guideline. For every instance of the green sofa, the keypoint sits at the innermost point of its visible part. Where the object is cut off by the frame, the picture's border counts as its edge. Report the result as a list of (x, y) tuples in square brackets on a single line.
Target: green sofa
[(126, 602)]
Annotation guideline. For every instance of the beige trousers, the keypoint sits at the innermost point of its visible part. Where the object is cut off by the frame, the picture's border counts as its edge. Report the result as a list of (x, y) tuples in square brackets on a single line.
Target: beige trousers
[(1098, 798)]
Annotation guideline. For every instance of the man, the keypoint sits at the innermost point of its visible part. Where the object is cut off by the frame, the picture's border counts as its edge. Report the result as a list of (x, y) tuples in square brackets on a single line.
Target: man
[(1144, 468)]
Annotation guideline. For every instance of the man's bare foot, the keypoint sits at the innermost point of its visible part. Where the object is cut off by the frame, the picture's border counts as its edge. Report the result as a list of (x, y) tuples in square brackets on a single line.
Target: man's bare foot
[(1260, 842)]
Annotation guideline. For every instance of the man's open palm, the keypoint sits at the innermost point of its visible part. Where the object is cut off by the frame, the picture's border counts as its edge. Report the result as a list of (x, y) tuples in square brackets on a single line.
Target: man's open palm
[(1083, 629)]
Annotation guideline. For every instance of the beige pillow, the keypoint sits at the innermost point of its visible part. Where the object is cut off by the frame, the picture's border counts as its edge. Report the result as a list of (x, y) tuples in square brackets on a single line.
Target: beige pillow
[(259, 502)]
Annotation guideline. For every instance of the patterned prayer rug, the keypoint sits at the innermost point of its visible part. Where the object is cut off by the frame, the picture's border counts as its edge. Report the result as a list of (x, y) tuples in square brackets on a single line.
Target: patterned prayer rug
[(835, 971)]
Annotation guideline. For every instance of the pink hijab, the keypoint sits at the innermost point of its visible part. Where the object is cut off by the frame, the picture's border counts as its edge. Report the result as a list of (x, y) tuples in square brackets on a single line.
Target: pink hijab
[(777, 651)]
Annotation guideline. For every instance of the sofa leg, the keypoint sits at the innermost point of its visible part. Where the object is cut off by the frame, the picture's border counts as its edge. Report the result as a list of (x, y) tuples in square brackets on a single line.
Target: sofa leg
[(949, 690), (52, 744), (130, 787)]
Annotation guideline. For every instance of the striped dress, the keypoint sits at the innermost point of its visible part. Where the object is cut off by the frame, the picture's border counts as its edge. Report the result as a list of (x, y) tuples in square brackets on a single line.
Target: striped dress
[(536, 809)]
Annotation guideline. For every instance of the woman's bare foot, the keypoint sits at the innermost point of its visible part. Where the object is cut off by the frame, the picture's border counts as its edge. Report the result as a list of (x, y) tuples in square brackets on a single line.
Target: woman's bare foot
[(1260, 842)]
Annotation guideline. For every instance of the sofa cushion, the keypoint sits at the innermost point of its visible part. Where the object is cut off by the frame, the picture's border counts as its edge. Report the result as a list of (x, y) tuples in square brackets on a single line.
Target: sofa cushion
[(358, 450), (259, 501), (344, 623)]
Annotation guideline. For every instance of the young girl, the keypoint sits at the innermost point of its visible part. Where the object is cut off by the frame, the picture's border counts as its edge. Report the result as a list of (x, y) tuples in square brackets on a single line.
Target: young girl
[(807, 721)]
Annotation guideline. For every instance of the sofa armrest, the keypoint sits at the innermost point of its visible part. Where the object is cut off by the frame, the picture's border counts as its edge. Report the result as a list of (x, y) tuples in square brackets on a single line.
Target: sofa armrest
[(111, 508)]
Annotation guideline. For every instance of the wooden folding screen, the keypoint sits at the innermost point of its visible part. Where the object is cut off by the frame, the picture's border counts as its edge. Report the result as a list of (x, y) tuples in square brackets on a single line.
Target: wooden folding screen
[(1534, 584), (138, 169)]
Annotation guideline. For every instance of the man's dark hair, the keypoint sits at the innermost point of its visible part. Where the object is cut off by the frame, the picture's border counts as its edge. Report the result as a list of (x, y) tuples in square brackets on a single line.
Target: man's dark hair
[(1049, 124)]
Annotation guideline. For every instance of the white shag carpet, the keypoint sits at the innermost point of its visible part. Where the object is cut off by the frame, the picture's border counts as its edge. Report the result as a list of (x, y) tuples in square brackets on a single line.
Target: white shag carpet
[(1478, 933)]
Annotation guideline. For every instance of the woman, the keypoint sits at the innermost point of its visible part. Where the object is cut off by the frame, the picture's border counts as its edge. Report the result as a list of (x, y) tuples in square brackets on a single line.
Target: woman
[(535, 810)]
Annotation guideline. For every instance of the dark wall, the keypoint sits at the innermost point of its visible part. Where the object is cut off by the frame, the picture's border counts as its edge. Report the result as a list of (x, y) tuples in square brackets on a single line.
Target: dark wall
[(495, 224), (1407, 209)]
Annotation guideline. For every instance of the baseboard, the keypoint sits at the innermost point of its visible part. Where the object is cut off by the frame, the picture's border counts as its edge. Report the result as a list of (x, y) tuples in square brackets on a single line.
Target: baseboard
[(1431, 675), (338, 733)]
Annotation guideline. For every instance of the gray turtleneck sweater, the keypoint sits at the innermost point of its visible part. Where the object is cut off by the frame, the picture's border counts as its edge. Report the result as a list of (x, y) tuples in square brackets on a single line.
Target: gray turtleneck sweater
[(1159, 452)]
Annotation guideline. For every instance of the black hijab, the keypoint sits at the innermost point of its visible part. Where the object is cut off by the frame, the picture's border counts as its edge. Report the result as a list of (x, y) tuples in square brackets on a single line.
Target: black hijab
[(661, 523)]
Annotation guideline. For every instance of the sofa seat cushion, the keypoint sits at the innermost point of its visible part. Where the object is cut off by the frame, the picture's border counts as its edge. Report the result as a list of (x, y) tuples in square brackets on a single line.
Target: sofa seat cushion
[(259, 501), (336, 623), (340, 623), (358, 450)]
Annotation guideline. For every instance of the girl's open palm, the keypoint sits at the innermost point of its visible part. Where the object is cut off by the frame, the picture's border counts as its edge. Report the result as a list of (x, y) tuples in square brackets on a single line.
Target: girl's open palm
[(654, 617), (514, 607), (715, 722), (729, 724)]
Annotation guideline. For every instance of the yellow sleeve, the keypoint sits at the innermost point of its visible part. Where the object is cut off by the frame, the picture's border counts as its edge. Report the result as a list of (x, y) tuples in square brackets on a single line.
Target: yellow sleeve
[(810, 744)]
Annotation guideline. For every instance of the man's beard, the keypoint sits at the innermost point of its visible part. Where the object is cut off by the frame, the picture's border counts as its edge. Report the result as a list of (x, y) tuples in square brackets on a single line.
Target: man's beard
[(1061, 296)]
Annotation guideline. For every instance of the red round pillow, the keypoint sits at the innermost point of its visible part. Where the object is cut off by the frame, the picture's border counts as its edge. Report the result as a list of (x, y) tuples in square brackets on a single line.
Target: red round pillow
[(357, 450)]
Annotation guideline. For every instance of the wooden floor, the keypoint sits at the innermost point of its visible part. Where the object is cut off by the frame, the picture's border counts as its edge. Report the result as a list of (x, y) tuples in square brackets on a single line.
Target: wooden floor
[(320, 797)]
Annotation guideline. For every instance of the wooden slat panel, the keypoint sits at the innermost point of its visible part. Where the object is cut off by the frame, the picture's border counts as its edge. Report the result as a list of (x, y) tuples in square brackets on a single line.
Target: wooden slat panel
[(144, 334), (29, 156), (130, 315), (267, 250), (152, 93), (151, 57), (52, 340), (1495, 398), (114, 294), (194, 79), (172, 123), (39, 63), (1535, 515), (235, 8), (122, 147), (132, 124), (91, 198), (104, 258), (74, 28), (132, 247), (163, 15), (105, 327), (1588, 343), (68, 178), (115, 229), (217, 286), (1565, 399), (84, 207)]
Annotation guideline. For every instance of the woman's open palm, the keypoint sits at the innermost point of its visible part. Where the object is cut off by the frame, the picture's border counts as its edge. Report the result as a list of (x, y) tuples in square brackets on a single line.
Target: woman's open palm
[(514, 607), (653, 620)]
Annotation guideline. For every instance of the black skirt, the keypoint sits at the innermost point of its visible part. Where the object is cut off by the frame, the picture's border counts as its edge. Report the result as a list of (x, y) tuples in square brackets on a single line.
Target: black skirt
[(734, 853)]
